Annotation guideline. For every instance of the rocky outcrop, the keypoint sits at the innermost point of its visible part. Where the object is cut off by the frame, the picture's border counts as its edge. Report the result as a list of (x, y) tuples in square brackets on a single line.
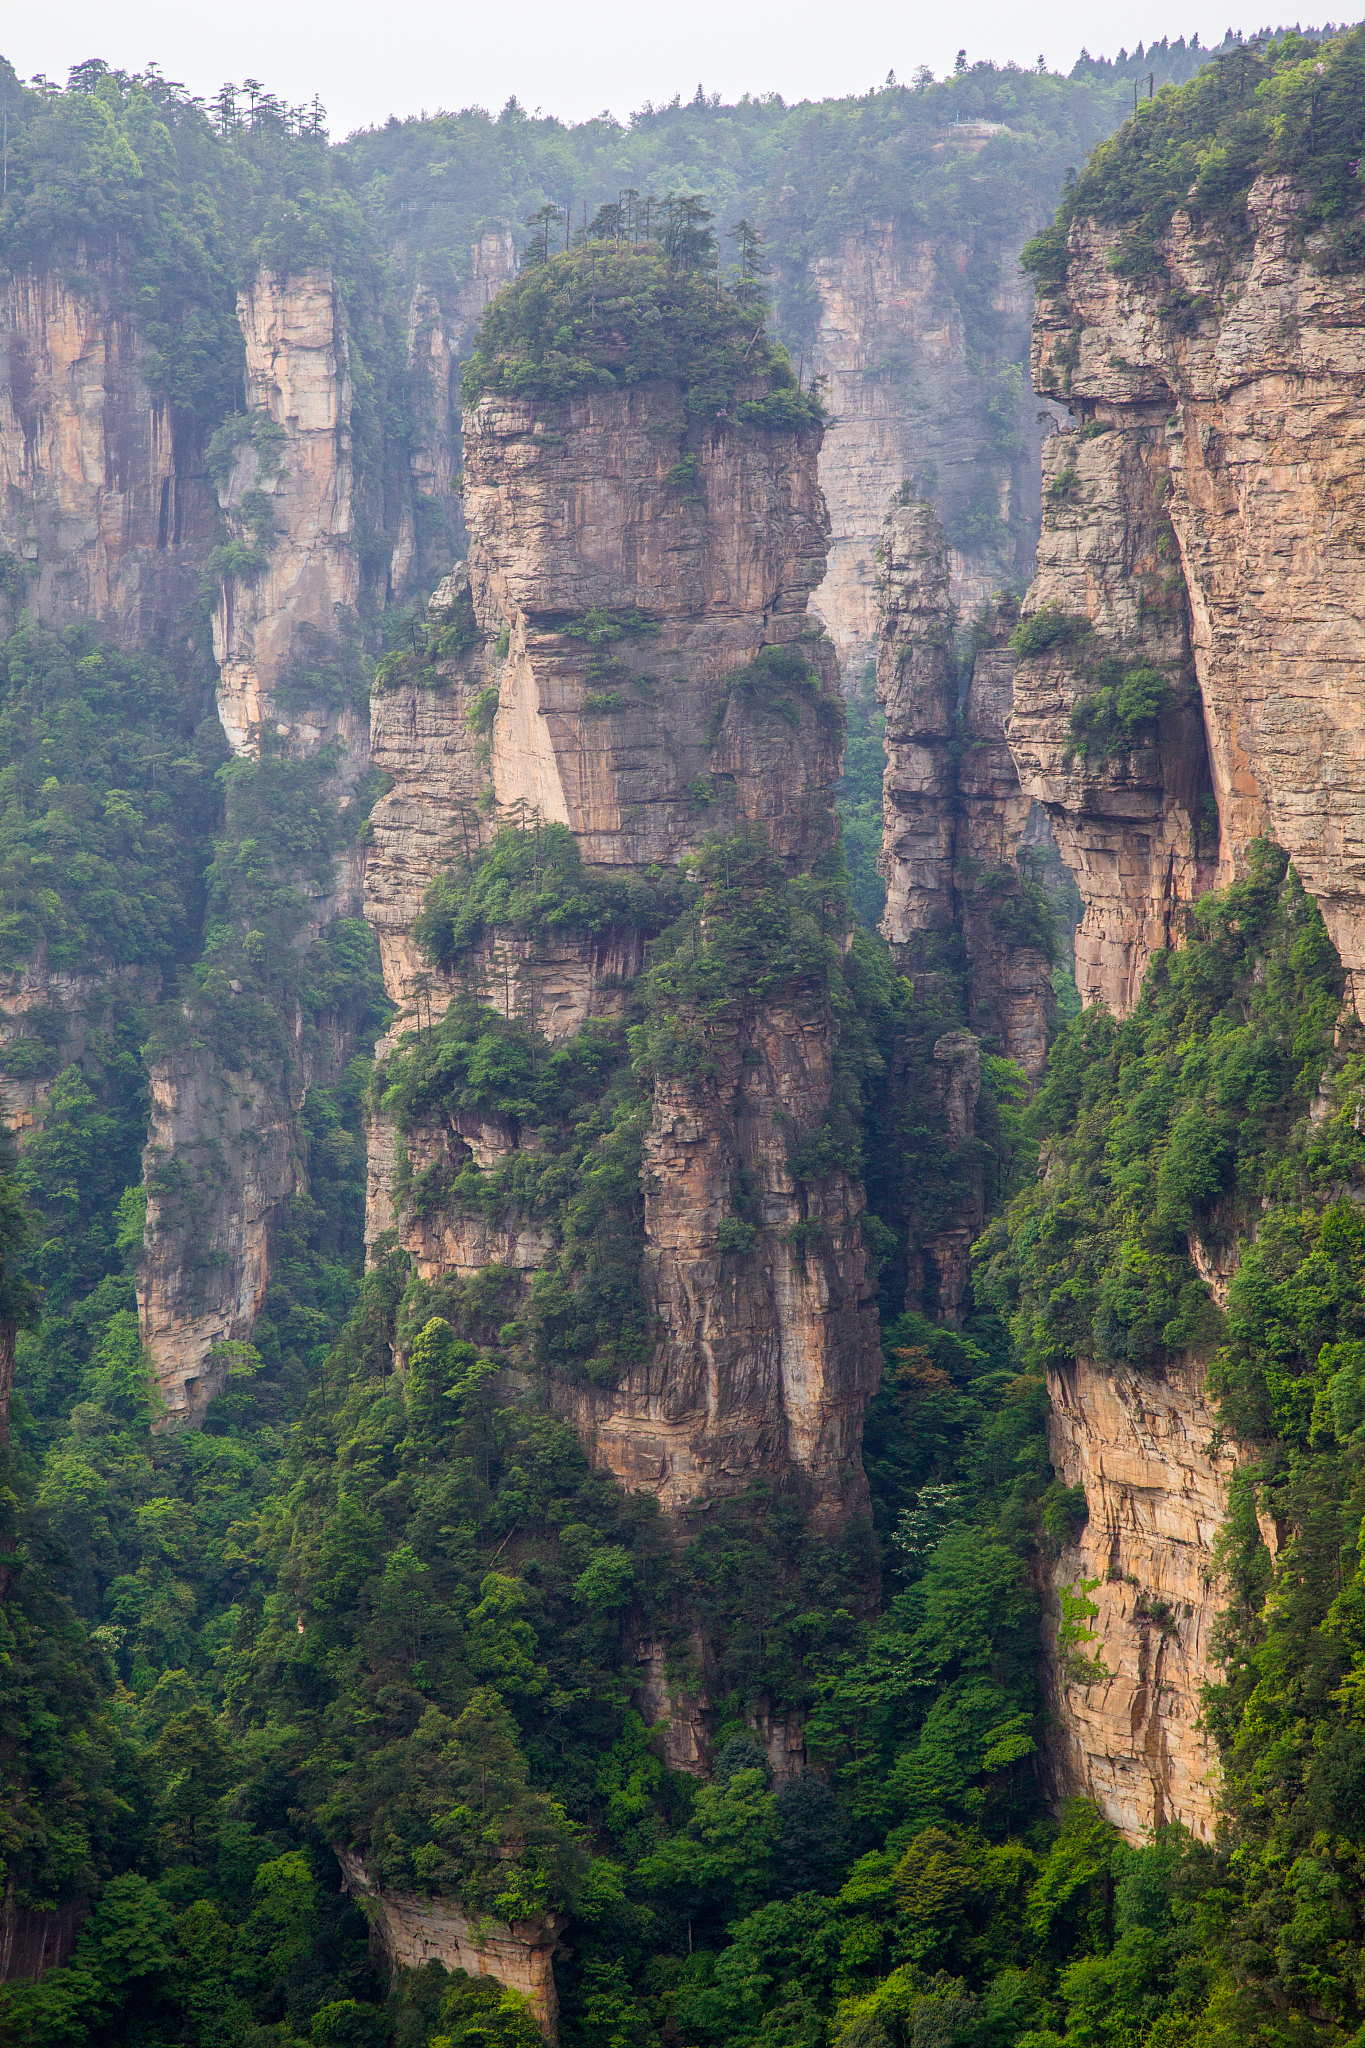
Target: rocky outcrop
[(105, 507), (917, 685), (1131, 810), (288, 499), (1140, 1446), (955, 817), (1215, 516), (626, 566), (413, 1929), (440, 327), (1200, 522), (908, 396)]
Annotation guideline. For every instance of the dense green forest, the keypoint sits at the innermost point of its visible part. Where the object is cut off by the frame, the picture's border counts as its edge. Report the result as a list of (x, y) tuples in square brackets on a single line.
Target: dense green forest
[(397, 1607)]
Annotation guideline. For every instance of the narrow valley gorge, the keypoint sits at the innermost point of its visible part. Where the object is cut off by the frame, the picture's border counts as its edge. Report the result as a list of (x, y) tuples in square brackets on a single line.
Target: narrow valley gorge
[(682, 1279)]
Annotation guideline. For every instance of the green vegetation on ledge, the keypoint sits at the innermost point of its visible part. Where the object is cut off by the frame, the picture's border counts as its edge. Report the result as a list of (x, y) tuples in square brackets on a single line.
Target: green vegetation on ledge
[(1291, 105), (599, 317)]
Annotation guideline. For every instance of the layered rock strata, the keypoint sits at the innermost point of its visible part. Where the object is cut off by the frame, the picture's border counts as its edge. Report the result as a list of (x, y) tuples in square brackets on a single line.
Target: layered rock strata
[(224, 1148), (1140, 1446), (626, 567), (1132, 816), (1216, 514), (288, 500), (413, 1929), (1201, 518)]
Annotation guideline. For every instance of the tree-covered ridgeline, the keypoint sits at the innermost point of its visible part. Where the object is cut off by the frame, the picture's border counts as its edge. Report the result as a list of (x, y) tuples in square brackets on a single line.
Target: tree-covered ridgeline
[(1285, 104)]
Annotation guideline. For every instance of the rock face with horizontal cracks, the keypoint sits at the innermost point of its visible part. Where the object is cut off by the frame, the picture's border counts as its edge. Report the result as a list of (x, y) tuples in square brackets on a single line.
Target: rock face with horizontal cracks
[(716, 536), (441, 322), (414, 1929), (1203, 516), (104, 504), (917, 688), (1134, 825), (906, 402), (618, 505), (1252, 401), (954, 814), (1140, 1447)]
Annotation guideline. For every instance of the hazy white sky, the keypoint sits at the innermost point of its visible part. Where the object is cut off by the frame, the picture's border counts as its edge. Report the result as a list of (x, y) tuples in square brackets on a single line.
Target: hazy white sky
[(366, 62)]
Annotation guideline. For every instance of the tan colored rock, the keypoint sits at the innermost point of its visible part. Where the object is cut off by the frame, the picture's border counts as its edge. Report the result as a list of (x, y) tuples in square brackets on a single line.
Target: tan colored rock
[(1127, 826), (104, 496), (1252, 406), (618, 506), (1010, 1000), (297, 376), (917, 686), (223, 1149), (954, 814), (580, 511), (765, 1360), (1141, 1447), (413, 1929), (441, 326)]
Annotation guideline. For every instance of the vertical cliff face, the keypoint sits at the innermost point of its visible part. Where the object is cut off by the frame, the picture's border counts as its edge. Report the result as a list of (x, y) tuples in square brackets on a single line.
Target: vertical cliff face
[(1141, 1447), (1198, 528), (626, 568), (955, 816), (440, 328), (1212, 526), (909, 397), (290, 491), (105, 504), (224, 1148), (415, 1929), (1128, 800)]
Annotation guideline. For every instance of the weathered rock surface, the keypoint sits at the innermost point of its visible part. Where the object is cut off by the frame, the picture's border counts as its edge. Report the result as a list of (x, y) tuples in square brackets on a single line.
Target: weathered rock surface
[(223, 1148), (1140, 1446), (906, 401), (642, 742), (1251, 405), (1203, 516), (954, 814), (1130, 825), (297, 378), (413, 1929), (105, 501)]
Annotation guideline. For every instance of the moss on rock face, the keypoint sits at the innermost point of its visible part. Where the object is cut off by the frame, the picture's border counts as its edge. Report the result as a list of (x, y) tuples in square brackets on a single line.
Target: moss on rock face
[(601, 317)]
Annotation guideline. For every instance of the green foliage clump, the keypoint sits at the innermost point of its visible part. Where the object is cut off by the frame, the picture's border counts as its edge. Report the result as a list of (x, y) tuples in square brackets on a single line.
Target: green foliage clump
[(1171, 1122), (1047, 630), (779, 681), (1287, 106), (106, 795), (533, 881), (600, 316), (285, 822), (1112, 718), (858, 800)]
